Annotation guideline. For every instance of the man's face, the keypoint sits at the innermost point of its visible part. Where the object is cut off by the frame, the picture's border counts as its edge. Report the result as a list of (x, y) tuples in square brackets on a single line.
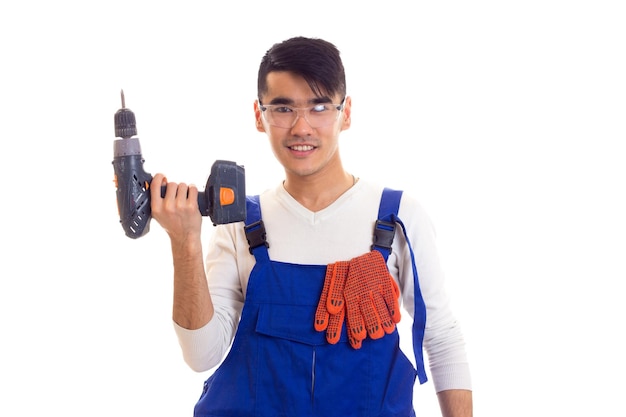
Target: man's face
[(302, 149)]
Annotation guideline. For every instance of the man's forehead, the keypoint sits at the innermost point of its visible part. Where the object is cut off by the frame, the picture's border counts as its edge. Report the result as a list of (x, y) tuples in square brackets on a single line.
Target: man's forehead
[(288, 88)]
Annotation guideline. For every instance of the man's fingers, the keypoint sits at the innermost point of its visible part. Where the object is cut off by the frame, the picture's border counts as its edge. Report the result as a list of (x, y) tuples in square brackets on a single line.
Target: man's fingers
[(178, 196), (158, 181)]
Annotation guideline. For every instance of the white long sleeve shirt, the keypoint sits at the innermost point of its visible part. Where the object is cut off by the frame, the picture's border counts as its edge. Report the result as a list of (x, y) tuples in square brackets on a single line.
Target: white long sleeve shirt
[(341, 231)]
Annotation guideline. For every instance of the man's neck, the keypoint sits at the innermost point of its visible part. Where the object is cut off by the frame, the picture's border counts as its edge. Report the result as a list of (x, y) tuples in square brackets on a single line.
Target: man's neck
[(316, 193)]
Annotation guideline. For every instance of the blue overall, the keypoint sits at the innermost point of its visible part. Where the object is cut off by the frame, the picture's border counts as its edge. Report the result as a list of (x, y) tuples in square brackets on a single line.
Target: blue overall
[(279, 366)]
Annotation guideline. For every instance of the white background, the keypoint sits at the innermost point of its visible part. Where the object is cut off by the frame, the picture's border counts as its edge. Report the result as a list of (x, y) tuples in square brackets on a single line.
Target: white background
[(506, 119)]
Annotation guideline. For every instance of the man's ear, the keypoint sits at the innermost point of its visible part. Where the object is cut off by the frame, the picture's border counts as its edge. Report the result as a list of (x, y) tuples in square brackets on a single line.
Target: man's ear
[(347, 113), (258, 117)]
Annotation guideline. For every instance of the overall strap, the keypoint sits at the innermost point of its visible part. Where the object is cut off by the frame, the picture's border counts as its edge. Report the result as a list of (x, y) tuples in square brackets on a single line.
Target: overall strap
[(255, 229), (385, 227), (383, 238)]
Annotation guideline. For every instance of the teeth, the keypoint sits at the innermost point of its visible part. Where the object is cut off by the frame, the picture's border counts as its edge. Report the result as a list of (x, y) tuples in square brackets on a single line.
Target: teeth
[(302, 148)]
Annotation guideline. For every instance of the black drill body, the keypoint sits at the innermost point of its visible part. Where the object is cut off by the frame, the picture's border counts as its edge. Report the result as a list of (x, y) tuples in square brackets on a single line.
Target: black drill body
[(132, 183), (224, 198)]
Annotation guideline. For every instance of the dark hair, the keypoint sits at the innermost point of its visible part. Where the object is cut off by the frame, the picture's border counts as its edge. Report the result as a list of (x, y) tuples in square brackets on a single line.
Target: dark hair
[(315, 60)]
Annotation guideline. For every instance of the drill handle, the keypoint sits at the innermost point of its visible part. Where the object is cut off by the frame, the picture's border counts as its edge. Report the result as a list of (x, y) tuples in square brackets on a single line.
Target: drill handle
[(203, 201)]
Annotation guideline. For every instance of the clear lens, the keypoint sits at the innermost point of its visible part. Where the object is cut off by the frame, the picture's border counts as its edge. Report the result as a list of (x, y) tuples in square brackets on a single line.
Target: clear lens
[(319, 115)]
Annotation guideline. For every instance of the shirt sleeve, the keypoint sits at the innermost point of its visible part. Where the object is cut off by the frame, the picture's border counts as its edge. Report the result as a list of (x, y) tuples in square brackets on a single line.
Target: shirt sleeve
[(443, 338)]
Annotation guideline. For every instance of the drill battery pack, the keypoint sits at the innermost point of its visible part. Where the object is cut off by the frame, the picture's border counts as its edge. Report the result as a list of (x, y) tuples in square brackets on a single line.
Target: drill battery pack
[(224, 198)]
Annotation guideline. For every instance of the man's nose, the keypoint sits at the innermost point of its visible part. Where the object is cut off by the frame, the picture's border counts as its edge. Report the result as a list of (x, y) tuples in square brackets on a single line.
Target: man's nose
[(301, 123)]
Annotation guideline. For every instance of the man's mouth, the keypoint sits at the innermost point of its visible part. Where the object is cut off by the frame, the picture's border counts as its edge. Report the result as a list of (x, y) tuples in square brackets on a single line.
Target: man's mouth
[(301, 148)]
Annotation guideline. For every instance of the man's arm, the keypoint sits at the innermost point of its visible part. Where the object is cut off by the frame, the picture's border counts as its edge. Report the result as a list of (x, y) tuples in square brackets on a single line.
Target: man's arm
[(456, 403), (179, 215)]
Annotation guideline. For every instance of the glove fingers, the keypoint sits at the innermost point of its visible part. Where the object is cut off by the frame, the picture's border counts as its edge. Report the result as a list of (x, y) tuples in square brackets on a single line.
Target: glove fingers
[(388, 288), (335, 322), (371, 314), (355, 343), (371, 299), (337, 274), (386, 320), (321, 318), (356, 325), (391, 293), (321, 314)]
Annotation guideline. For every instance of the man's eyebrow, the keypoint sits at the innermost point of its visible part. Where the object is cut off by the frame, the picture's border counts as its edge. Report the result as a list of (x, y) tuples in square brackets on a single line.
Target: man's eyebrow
[(282, 100), (290, 102), (320, 100)]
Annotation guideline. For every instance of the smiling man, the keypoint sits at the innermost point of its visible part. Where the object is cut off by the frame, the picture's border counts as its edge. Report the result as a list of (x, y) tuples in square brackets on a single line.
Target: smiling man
[(299, 305), (303, 129)]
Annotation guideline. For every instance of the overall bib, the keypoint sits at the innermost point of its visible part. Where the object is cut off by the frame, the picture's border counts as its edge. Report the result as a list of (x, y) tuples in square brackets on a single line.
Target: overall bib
[(279, 366)]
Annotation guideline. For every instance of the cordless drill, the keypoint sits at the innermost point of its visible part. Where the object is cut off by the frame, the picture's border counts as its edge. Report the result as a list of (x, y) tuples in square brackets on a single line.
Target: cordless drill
[(224, 198)]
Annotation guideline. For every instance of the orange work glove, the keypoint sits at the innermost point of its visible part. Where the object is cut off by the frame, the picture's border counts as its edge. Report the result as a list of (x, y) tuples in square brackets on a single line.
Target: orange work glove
[(371, 296), (331, 310)]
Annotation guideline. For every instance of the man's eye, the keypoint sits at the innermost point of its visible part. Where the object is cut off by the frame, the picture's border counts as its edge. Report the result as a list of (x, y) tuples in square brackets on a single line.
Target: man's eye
[(319, 108), (282, 109)]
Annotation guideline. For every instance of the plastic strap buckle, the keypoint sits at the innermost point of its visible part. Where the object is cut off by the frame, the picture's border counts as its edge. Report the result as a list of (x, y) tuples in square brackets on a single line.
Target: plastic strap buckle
[(384, 233), (256, 236)]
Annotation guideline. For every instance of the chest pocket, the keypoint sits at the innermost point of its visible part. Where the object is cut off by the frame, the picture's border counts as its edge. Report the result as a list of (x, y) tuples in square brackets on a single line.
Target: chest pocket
[(294, 323), (286, 299)]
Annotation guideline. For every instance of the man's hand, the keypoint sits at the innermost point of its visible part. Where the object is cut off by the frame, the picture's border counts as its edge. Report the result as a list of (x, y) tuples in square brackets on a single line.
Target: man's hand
[(178, 211)]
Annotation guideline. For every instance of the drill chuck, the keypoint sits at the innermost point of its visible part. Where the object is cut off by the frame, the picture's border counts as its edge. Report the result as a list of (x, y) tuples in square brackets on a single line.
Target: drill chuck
[(125, 123)]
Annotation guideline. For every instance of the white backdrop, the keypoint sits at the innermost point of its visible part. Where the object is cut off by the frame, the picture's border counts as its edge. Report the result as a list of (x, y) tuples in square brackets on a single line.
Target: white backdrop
[(506, 119)]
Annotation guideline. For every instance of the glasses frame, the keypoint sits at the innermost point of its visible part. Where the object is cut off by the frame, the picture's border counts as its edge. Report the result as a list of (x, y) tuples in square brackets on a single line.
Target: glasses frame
[(300, 112)]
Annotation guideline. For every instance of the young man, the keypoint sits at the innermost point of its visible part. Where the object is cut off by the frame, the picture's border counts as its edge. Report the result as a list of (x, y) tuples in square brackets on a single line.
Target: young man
[(303, 292)]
